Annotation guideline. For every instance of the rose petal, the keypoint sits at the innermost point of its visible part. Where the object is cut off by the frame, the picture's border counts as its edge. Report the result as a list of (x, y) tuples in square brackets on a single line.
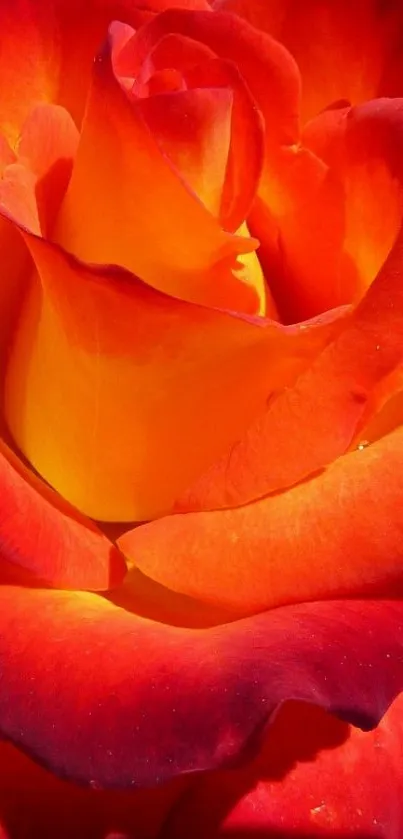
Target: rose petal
[(42, 534), (314, 422), (33, 184), (193, 128), (267, 68), (120, 701), (299, 219), (33, 802), (246, 151), (128, 379), (315, 777), (48, 50), (339, 534), (47, 146), (344, 51), (184, 251), (361, 145), (17, 196)]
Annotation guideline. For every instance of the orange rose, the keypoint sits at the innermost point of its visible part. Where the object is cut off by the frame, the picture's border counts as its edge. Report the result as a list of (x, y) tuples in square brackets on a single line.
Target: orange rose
[(202, 329)]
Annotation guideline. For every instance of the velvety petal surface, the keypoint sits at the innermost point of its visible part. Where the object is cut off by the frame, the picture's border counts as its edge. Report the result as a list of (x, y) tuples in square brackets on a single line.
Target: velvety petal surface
[(338, 534), (129, 702), (130, 379), (315, 777), (314, 422)]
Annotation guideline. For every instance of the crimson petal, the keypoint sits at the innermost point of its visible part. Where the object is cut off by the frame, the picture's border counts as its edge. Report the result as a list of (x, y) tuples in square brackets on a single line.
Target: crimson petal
[(102, 696)]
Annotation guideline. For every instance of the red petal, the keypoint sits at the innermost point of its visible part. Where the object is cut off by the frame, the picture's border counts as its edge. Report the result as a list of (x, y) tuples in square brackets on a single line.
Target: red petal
[(42, 534), (34, 803), (344, 51), (315, 777), (326, 537), (247, 140), (268, 69), (197, 65), (99, 695), (314, 422)]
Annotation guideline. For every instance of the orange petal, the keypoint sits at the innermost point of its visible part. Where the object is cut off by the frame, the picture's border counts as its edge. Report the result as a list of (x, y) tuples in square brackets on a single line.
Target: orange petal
[(324, 538), (314, 422), (299, 218), (139, 392), (29, 61), (115, 209), (48, 50)]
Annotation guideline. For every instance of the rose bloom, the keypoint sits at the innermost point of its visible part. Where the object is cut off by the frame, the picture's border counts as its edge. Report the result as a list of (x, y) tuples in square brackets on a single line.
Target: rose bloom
[(201, 458)]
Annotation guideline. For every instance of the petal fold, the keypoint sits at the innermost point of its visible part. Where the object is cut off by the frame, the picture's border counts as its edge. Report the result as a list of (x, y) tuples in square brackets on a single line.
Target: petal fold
[(314, 777), (141, 392), (324, 538), (115, 209)]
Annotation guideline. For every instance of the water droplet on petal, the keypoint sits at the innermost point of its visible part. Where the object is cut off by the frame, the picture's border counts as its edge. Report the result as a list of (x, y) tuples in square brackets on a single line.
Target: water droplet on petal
[(362, 445), (95, 785)]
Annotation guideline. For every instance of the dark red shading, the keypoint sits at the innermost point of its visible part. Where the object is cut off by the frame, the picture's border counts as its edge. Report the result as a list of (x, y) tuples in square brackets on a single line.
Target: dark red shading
[(315, 777), (102, 696), (34, 803)]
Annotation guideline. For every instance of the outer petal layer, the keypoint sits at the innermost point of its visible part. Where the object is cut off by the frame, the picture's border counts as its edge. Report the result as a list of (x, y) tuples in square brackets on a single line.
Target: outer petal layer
[(315, 777), (102, 696), (326, 537)]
